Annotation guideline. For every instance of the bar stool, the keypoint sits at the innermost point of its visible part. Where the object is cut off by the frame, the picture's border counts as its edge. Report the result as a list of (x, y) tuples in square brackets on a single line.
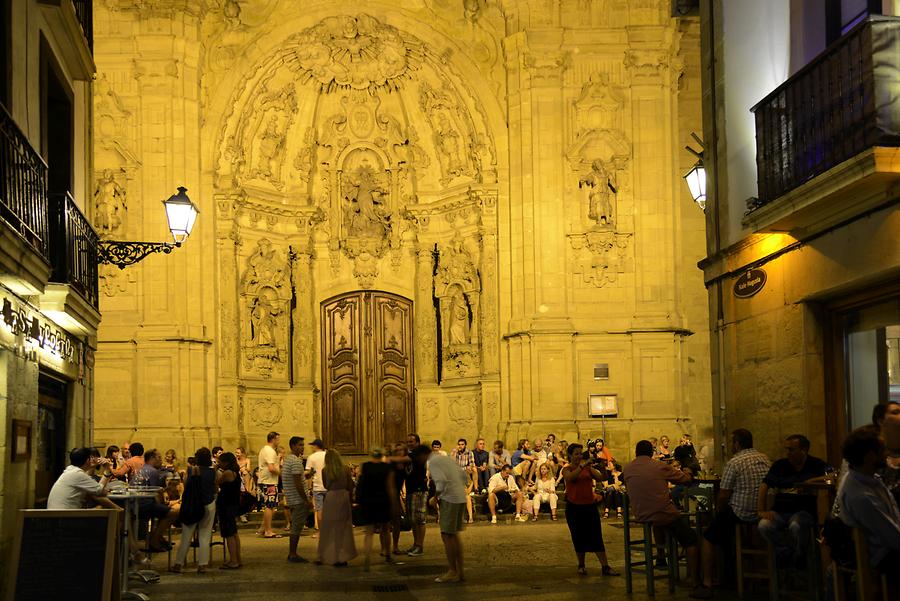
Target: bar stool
[(867, 582), (645, 546), (747, 531)]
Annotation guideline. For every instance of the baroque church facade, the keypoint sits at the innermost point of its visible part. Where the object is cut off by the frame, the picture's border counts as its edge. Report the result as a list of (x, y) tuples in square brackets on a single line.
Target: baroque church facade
[(456, 217)]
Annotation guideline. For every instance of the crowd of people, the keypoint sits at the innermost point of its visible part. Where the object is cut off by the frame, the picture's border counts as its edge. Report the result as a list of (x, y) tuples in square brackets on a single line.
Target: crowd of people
[(398, 487)]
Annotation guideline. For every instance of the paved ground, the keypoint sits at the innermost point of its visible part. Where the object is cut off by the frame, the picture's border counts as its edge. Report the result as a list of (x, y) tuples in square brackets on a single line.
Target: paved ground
[(505, 561)]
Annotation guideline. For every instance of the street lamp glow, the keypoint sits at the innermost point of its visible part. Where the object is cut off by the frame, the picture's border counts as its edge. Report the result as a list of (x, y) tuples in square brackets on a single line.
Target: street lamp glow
[(181, 214), (696, 181)]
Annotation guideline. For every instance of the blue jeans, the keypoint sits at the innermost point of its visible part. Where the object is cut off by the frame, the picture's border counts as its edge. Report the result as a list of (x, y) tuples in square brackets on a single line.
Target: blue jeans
[(788, 532)]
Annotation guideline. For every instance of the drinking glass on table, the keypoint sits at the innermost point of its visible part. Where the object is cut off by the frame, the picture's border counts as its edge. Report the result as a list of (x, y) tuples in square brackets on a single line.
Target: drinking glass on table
[(830, 475)]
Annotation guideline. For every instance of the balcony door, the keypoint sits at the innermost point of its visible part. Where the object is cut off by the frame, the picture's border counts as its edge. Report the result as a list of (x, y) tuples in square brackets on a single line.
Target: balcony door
[(367, 370)]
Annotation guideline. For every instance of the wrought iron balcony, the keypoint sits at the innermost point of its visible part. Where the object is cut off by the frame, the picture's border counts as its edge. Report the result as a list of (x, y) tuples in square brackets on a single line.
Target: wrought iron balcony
[(23, 185), (846, 101), (73, 248), (84, 10)]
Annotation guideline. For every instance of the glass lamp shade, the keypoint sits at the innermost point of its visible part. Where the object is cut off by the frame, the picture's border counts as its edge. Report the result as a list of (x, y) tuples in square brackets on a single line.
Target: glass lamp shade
[(696, 181), (182, 214)]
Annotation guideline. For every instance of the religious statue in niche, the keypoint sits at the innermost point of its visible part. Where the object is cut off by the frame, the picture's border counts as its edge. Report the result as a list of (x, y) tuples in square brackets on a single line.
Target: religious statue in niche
[(365, 213), (109, 198), (457, 286), (266, 295), (263, 314), (601, 194), (450, 146), (271, 146)]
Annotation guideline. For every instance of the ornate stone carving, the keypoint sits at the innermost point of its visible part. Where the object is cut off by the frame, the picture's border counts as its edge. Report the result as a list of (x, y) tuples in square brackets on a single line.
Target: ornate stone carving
[(356, 52), (114, 280), (457, 286), (266, 294), (447, 126), (265, 412), (111, 204), (603, 256), (462, 411), (364, 195), (258, 147), (601, 194)]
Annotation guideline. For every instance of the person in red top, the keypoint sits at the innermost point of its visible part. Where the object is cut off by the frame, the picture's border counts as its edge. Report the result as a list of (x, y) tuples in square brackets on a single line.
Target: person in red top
[(133, 464), (582, 515), (646, 480)]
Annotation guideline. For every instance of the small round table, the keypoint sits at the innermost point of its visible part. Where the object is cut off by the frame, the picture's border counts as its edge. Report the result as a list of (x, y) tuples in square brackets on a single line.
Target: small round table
[(131, 496)]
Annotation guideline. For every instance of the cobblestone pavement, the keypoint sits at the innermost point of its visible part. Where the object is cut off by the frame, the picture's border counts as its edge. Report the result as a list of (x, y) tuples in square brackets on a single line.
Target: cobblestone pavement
[(527, 561)]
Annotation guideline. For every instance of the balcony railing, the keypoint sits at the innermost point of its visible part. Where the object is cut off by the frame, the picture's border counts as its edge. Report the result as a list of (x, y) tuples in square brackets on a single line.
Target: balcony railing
[(23, 185), (84, 10), (73, 248), (845, 101)]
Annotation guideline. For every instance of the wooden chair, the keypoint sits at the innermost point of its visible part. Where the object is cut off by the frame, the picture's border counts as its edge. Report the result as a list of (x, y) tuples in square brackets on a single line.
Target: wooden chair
[(744, 536), (870, 586), (645, 548)]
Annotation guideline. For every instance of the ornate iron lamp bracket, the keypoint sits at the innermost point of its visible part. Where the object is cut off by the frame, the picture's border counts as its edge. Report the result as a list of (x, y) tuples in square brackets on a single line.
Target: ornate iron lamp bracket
[(123, 254)]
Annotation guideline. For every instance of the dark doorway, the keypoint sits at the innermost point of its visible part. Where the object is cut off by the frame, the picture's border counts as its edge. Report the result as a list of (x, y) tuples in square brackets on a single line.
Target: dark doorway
[(50, 440)]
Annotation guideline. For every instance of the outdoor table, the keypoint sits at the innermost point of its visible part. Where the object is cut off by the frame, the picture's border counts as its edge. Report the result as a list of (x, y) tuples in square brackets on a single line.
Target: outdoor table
[(131, 496)]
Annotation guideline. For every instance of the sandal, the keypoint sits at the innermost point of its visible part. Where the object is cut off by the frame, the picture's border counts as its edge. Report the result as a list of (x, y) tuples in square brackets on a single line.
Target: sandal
[(582, 571), (608, 571)]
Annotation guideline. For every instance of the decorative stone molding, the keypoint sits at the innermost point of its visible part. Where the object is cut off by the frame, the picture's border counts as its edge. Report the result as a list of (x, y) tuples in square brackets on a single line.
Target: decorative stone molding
[(457, 286), (265, 412), (602, 256)]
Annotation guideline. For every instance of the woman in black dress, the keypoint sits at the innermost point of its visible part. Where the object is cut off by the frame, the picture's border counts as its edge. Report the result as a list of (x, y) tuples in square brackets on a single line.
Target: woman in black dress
[(375, 495), (228, 504)]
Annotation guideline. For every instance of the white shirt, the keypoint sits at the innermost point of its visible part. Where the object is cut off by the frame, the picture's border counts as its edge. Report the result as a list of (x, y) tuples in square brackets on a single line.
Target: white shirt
[(267, 455), (449, 479), (316, 462), (72, 489), (497, 480)]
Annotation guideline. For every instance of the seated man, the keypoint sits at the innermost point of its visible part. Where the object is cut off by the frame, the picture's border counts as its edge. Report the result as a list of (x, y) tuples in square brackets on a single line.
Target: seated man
[(498, 458), (647, 481), (540, 457), (156, 508), (502, 489), (867, 504), (522, 461), (76, 488), (738, 492), (792, 512)]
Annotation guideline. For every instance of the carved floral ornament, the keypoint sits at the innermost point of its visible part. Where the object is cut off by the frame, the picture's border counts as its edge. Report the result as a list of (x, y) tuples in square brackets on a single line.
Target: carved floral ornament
[(357, 52)]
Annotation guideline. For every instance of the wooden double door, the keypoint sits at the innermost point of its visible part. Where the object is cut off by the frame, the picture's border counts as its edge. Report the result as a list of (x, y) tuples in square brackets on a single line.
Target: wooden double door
[(367, 364)]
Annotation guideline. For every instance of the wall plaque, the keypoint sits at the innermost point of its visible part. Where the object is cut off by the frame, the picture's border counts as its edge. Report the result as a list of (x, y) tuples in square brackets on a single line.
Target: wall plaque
[(751, 282)]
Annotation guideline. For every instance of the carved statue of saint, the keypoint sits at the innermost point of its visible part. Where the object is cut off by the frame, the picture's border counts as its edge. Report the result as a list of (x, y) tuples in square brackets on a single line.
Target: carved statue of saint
[(450, 146), (600, 207), (459, 319), (270, 146), (364, 212), (263, 319), (109, 197)]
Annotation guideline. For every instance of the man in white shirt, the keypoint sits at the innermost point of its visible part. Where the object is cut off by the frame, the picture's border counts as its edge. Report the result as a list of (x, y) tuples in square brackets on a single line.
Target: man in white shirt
[(502, 486), (267, 477), (450, 483), (314, 466), (75, 488)]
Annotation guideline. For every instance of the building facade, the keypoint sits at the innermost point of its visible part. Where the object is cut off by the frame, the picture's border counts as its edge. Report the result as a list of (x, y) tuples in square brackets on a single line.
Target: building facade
[(802, 222), (459, 218), (48, 252)]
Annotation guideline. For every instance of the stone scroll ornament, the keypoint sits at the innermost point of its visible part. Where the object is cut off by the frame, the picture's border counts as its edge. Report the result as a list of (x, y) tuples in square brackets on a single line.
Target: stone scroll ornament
[(457, 286), (266, 295), (353, 52)]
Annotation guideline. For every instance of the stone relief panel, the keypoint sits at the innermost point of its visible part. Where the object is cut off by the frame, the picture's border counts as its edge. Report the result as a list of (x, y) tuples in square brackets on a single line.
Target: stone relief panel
[(266, 296), (600, 256), (265, 412), (457, 286)]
